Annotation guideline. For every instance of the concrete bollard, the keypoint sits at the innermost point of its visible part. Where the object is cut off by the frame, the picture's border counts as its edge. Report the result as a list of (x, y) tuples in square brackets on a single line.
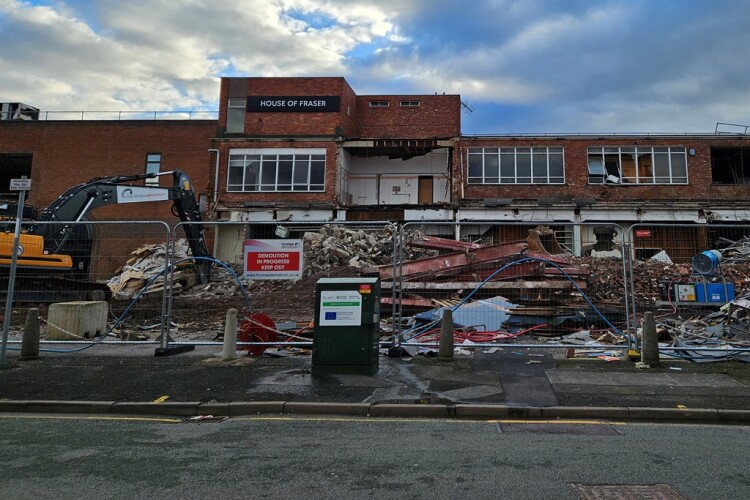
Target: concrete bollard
[(229, 350), (445, 350), (30, 342), (650, 347)]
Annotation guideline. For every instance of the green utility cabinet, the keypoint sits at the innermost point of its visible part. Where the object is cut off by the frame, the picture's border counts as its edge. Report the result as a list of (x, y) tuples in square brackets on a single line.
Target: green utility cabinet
[(347, 325)]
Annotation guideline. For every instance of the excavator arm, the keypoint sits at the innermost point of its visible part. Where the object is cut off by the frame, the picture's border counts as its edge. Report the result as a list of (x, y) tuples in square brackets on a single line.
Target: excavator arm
[(60, 230)]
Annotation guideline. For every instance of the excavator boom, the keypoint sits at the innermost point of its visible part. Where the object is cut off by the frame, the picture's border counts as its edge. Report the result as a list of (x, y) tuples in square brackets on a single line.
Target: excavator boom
[(57, 241)]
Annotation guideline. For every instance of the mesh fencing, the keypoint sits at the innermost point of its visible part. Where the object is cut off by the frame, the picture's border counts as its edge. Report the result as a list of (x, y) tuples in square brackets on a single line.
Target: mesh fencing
[(254, 273), (119, 265), (585, 286), (694, 280), (536, 285)]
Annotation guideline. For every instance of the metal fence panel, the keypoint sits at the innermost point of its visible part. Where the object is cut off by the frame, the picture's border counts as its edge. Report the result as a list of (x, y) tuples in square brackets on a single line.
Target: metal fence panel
[(694, 278), (530, 284), (330, 249), (121, 263)]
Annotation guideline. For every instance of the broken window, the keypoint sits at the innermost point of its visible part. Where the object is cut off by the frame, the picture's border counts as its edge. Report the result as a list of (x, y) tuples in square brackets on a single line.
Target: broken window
[(516, 166), (641, 165), (730, 165), (276, 170)]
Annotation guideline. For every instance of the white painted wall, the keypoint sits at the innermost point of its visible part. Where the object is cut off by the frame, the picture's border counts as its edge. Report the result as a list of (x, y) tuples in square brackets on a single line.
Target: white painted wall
[(380, 180)]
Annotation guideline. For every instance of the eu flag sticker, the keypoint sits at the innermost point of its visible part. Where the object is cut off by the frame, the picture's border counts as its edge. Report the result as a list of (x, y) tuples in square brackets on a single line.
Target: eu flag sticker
[(330, 315)]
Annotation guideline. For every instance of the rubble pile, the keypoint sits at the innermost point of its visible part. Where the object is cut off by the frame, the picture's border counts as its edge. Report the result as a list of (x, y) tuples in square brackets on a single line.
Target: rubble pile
[(336, 246), (147, 263), (737, 251), (605, 282)]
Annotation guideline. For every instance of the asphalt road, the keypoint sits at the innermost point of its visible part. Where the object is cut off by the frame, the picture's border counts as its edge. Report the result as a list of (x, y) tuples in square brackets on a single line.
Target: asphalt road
[(326, 457)]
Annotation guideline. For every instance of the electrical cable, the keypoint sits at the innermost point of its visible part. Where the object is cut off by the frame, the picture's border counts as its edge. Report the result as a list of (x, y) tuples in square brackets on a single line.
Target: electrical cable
[(138, 297), (435, 322)]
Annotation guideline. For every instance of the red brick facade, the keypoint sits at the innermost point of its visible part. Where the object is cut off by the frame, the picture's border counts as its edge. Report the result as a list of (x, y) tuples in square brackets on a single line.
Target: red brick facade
[(67, 153), (435, 116), (700, 187)]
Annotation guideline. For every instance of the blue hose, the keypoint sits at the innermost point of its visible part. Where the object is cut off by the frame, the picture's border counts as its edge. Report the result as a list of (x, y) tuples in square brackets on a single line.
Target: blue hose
[(137, 298)]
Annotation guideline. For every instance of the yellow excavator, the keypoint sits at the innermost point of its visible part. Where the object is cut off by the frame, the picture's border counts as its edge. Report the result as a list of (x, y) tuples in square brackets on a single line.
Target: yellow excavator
[(57, 246)]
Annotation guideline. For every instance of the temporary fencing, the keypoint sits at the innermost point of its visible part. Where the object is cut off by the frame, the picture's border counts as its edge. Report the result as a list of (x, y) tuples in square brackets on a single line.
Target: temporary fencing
[(529, 284), (267, 271), (60, 264), (694, 279), (525, 284)]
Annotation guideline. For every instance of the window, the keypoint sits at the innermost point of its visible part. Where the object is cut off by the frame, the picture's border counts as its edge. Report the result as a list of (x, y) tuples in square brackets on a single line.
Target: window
[(730, 165), (13, 166), (236, 115), (637, 165), (516, 166), (153, 165), (379, 104), (274, 170), (409, 104)]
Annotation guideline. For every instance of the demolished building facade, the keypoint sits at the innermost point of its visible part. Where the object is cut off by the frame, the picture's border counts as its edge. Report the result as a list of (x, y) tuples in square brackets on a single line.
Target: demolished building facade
[(291, 150)]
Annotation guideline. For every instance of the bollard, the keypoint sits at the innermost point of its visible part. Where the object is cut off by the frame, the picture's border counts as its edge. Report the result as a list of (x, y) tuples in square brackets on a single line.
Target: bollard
[(229, 350), (445, 351), (30, 342), (650, 347)]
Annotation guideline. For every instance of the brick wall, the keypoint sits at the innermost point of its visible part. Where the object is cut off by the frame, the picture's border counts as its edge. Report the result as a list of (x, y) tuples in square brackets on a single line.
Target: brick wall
[(699, 188), (67, 153), (437, 116)]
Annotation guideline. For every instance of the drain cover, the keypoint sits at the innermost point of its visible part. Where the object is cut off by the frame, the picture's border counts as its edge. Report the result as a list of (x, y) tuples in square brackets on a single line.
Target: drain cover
[(625, 491)]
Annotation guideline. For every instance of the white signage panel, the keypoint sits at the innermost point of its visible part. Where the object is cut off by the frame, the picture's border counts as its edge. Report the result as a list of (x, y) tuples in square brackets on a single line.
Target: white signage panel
[(273, 259), (340, 308), (135, 194)]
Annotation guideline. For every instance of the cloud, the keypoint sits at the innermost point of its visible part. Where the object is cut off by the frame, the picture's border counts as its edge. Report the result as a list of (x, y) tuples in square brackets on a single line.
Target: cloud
[(535, 65)]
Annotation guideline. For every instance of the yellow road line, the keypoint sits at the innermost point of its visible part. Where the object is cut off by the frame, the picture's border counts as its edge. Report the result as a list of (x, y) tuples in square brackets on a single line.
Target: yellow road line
[(89, 417), (400, 420)]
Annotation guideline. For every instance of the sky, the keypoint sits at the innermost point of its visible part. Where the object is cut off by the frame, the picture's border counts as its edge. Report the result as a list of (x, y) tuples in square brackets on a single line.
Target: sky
[(521, 66)]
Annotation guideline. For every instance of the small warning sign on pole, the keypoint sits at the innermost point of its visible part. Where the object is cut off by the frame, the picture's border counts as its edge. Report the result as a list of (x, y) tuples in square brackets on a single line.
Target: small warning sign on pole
[(23, 184)]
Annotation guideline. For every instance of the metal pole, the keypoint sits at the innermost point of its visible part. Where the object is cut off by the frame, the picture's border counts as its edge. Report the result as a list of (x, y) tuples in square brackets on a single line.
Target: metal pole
[(12, 278)]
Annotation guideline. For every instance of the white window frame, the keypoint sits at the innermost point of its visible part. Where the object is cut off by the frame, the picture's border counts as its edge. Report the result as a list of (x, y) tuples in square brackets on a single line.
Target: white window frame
[(379, 104), (153, 164), (303, 161), (410, 104), (504, 162), (236, 115), (609, 159)]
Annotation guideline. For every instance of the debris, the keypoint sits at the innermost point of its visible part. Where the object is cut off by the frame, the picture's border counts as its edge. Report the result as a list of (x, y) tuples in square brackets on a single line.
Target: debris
[(147, 266), (207, 418), (608, 358), (662, 257)]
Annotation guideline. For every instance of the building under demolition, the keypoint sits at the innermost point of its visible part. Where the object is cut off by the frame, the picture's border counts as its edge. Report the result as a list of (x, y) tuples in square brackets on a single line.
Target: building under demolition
[(300, 150)]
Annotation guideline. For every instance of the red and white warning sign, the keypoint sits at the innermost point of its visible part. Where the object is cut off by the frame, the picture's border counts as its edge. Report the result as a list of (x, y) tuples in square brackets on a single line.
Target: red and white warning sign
[(273, 259)]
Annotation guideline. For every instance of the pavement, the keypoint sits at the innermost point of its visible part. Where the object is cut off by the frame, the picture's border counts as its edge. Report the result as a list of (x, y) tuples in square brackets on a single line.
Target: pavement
[(509, 383)]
